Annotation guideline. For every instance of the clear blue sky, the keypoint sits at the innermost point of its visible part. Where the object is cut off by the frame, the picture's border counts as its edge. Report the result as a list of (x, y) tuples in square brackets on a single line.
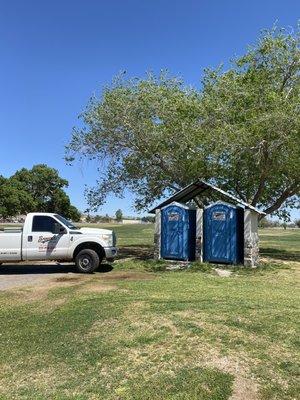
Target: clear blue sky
[(56, 54)]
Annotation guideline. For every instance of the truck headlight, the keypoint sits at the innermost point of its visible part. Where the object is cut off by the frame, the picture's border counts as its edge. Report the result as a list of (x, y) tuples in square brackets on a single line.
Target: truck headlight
[(108, 239)]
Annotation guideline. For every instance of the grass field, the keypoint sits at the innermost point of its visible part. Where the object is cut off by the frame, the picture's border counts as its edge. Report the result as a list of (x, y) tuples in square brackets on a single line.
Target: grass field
[(139, 332), (280, 244)]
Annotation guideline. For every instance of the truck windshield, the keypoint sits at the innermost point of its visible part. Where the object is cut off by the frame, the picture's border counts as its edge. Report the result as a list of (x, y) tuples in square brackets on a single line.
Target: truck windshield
[(66, 222)]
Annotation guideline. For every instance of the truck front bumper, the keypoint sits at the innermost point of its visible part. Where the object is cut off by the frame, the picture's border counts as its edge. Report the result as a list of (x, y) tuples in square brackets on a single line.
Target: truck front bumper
[(110, 253)]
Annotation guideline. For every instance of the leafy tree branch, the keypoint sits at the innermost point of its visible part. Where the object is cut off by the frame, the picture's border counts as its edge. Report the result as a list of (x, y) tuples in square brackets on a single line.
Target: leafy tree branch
[(240, 130)]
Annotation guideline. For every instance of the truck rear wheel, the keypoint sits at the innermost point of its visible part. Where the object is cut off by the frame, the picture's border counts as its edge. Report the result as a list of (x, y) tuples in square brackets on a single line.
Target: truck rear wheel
[(87, 261)]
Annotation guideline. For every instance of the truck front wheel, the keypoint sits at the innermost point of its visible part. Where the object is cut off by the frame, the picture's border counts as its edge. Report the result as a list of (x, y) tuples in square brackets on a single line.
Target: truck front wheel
[(87, 261)]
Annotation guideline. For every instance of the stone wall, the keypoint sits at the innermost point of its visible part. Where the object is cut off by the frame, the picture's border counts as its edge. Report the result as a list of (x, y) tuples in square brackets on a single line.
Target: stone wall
[(199, 235), (157, 234), (251, 240)]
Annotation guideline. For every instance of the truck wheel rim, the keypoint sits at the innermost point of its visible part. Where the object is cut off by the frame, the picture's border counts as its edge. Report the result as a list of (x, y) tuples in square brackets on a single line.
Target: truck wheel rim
[(85, 262)]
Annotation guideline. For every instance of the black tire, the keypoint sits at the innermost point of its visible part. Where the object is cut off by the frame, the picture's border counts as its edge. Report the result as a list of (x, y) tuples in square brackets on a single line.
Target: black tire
[(87, 261)]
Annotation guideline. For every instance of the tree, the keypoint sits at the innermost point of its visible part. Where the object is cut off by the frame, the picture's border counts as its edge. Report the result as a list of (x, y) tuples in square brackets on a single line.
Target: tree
[(73, 213), (148, 218), (14, 199), (106, 218), (297, 223), (46, 187), (241, 131), (119, 215), (97, 219), (39, 189), (268, 223), (265, 223)]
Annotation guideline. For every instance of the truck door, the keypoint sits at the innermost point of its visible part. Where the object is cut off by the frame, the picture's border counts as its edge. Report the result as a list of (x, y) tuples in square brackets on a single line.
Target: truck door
[(42, 243)]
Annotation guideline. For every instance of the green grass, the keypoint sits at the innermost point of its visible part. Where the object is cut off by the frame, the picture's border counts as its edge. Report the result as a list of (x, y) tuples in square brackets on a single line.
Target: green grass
[(133, 235), (280, 244), (134, 334)]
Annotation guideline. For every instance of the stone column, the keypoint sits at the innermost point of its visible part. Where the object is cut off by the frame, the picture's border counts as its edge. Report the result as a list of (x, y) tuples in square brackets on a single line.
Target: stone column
[(199, 235), (251, 240), (157, 234)]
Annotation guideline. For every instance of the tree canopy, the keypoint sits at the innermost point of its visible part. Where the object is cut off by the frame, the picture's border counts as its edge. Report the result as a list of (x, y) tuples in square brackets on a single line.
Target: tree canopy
[(119, 215), (38, 189), (240, 130)]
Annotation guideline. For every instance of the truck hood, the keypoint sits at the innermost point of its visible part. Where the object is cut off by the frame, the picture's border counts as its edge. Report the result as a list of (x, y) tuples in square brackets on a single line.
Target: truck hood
[(95, 231)]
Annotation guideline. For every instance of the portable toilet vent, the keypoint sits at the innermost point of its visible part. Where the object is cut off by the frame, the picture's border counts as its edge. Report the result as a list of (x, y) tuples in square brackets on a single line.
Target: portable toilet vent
[(178, 232), (224, 233)]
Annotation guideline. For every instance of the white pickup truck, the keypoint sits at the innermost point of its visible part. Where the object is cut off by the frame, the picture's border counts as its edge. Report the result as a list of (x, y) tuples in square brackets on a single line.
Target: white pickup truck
[(47, 236)]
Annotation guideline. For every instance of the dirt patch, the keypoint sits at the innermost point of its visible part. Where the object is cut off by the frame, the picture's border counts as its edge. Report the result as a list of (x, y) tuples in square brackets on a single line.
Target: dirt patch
[(33, 274), (131, 276), (98, 288), (37, 290), (224, 273), (244, 388), (244, 385), (29, 294), (141, 252), (67, 279), (40, 295)]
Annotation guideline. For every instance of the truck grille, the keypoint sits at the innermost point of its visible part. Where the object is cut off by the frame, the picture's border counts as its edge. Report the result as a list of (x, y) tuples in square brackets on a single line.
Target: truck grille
[(114, 237)]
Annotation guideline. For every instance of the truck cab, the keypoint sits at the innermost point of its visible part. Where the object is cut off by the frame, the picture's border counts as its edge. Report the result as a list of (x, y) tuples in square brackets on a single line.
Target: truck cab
[(49, 236)]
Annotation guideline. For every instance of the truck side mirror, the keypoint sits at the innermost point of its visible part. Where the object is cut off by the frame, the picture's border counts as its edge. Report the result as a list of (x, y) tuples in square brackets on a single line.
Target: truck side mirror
[(58, 229)]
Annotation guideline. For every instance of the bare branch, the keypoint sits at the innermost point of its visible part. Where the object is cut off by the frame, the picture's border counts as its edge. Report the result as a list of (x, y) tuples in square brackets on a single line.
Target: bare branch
[(290, 191)]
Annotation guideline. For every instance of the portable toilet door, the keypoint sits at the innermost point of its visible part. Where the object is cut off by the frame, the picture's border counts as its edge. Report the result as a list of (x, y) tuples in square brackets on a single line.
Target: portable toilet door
[(178, 232), (223, 233)]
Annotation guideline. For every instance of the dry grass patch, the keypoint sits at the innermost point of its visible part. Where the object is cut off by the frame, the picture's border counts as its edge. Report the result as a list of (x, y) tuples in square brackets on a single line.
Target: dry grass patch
[(174, 349), (133, 335), (128, 275), (97, 288), (68, 279)]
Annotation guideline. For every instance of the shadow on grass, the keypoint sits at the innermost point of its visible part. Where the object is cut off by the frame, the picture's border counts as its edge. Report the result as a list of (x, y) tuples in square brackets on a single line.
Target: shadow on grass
[(141, 252), (104, 268), (280, 254), (45, 269)]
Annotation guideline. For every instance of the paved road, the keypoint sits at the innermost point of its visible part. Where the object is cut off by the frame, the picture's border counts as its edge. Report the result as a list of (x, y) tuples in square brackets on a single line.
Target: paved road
[(36, 274)]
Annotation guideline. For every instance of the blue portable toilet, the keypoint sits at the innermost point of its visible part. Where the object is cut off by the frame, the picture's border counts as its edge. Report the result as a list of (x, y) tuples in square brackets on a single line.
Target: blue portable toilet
[(224, 233), (178, 232)]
